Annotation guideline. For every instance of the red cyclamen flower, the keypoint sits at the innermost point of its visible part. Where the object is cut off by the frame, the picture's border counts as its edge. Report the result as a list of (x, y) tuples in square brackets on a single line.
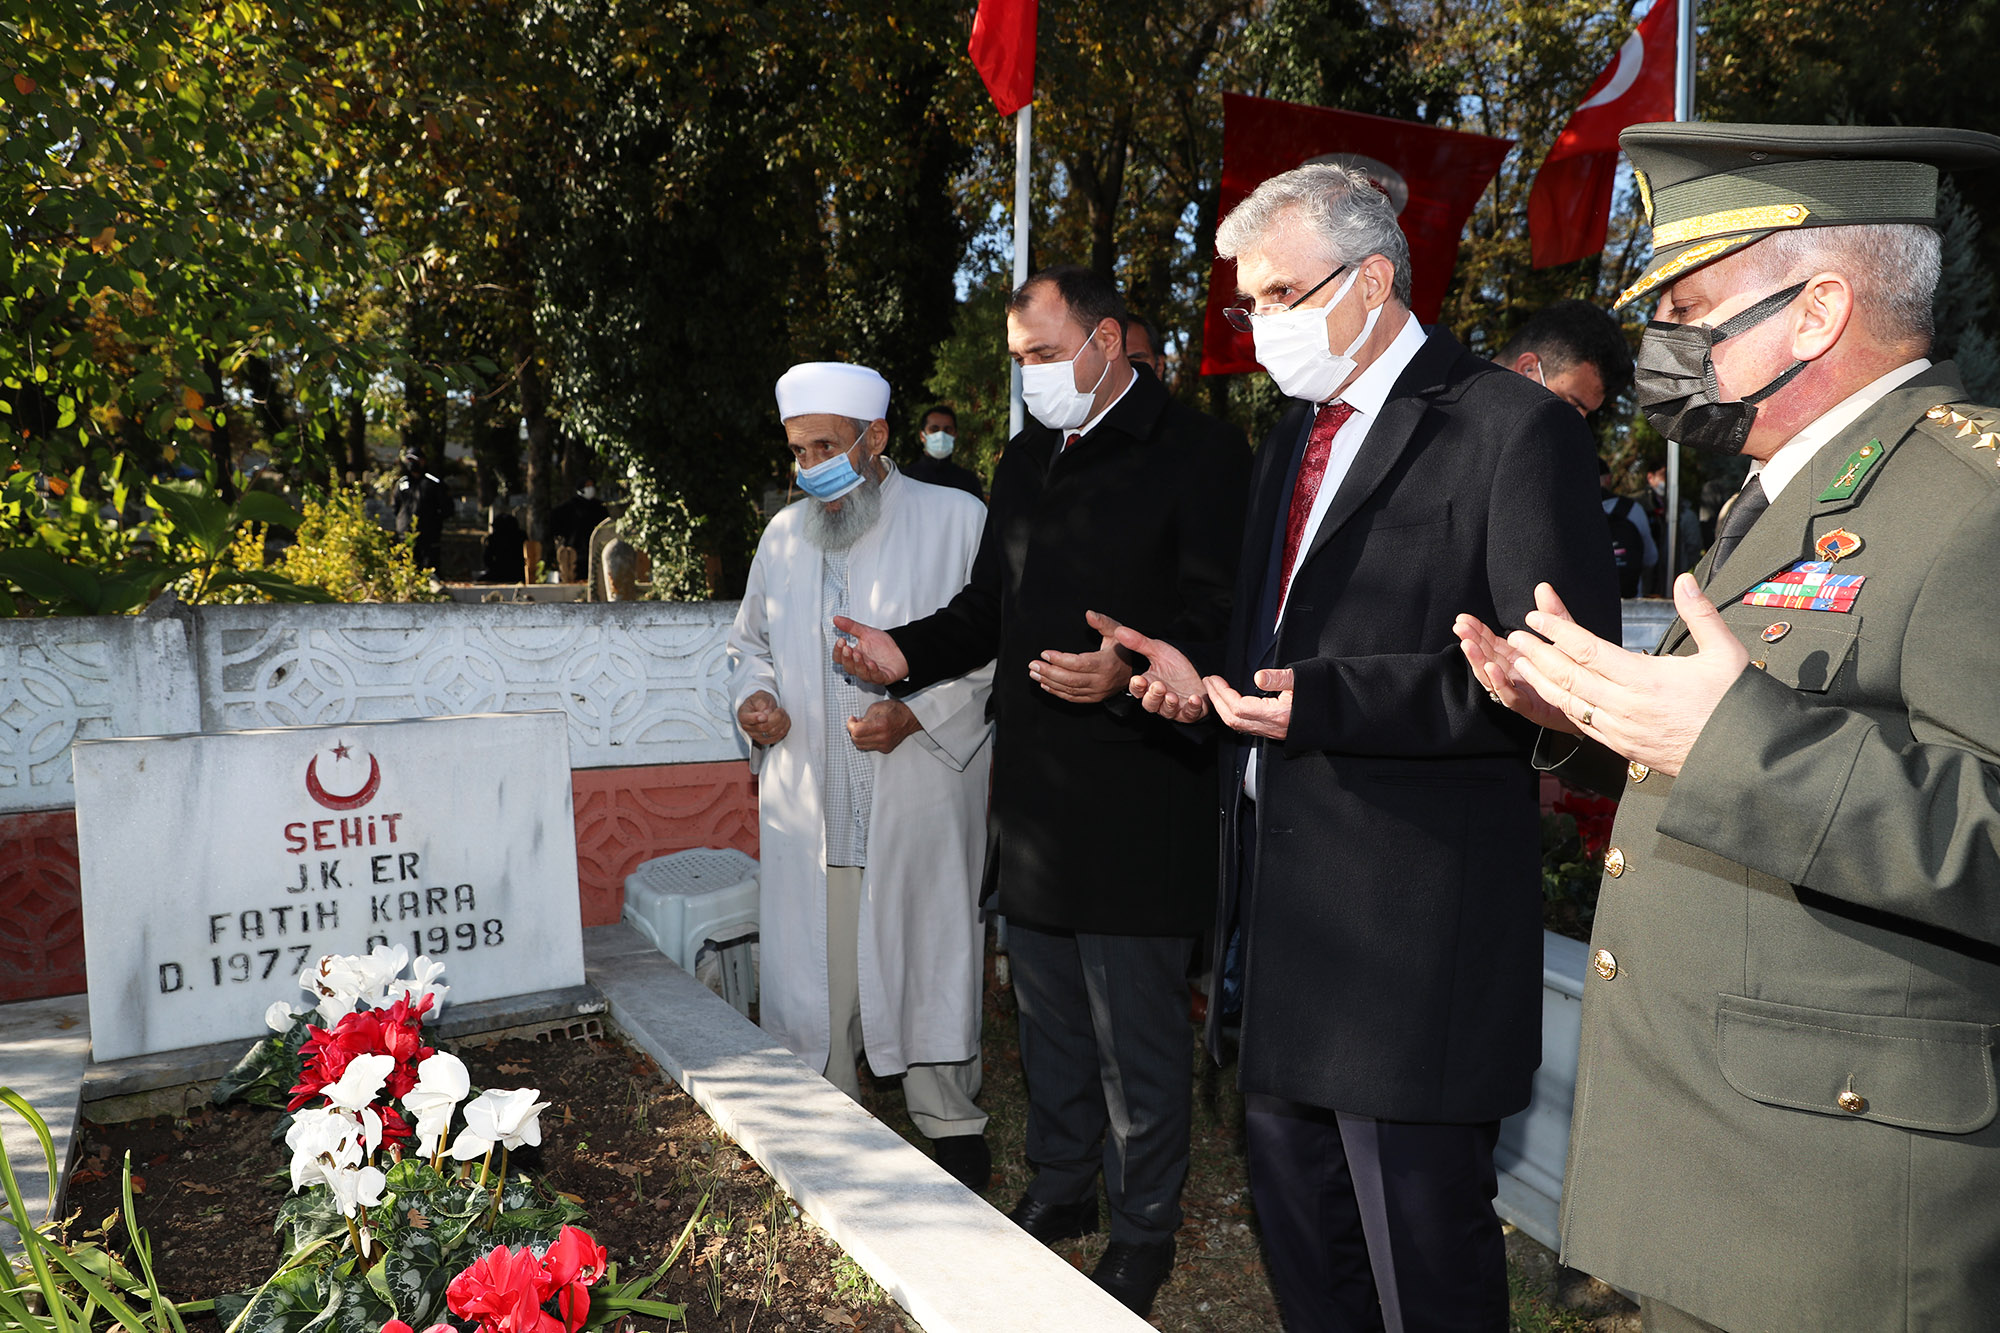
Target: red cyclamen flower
[(504, 1291)]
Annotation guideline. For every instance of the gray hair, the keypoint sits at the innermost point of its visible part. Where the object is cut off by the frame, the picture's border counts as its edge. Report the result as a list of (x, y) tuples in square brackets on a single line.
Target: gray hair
[(1338, 206), (1894, 267)]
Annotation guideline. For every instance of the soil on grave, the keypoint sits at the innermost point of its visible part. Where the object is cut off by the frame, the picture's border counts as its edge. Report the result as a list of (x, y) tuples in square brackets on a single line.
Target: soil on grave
[(617, 1134), (640, 1152)]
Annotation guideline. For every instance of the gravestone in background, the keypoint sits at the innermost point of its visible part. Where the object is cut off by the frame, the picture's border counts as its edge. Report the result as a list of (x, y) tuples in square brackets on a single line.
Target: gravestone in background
[(217, 866)]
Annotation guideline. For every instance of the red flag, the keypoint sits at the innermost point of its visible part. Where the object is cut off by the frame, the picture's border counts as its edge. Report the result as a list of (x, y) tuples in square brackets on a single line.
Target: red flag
[(1569, 204), (1433, 177), (1003, 47)]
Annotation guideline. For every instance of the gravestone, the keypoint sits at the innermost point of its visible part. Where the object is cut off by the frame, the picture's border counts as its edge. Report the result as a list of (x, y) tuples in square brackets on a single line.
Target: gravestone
[(216, 867)]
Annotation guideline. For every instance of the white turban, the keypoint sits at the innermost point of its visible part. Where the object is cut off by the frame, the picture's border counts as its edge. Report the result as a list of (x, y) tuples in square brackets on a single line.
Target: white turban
[(833, 387)]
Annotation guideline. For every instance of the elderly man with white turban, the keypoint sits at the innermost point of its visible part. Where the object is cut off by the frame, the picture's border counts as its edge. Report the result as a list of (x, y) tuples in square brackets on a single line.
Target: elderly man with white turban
[(872, 810)]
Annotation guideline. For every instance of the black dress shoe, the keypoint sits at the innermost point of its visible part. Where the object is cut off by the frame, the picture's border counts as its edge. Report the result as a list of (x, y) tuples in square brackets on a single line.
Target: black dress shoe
[(1048, 1222), (1133, 1273), (967, 1158)]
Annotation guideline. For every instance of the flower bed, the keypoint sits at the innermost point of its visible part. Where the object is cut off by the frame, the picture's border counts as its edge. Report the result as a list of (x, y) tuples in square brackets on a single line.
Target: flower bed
[(630, 1180)]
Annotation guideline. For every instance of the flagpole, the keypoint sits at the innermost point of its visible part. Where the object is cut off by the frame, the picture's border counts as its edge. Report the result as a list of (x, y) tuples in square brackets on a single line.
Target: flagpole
[(1023, 122), (1683, 110)]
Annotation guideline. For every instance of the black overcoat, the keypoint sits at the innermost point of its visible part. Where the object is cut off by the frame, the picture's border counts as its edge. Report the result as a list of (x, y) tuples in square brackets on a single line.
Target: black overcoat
[(1392, 942), (1103, 819)]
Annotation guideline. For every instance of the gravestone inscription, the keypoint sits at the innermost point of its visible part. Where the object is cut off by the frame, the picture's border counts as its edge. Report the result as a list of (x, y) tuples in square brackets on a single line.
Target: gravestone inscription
[(217, 867)]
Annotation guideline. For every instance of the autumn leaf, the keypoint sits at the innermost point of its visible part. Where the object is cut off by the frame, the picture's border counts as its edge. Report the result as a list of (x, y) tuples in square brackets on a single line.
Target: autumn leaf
[(24, 85), (191, 399), (201, 422), (105, 241), (138, 1184)]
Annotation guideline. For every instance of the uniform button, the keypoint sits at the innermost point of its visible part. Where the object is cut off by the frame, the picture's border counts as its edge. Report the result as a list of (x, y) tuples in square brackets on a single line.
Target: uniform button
[(1852, 1102), (1605, 963), (1614, 863), (1637, 771), (1761, 664)]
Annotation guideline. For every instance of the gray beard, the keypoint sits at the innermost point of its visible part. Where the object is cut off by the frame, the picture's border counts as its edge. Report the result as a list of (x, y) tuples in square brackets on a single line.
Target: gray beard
[(838, 529)]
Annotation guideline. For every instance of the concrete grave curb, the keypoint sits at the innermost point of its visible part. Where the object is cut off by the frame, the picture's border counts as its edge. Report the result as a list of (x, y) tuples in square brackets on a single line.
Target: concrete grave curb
[(945, 1255)]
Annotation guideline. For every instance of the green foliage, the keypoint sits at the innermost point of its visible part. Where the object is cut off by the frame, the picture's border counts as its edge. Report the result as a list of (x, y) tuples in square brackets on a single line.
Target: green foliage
[(65, 1286), (970, 372), (72, 560), (344, 555)]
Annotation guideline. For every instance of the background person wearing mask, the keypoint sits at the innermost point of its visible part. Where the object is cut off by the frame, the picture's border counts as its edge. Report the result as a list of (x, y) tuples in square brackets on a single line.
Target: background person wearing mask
[(1142, 346), (871, 810), (939, 436), (1575, 351), (1115, 503)]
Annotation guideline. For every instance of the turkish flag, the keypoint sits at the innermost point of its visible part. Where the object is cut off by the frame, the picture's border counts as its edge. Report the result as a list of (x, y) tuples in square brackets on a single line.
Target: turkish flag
[(1003, 48), (1569, 205), (1432, 176)]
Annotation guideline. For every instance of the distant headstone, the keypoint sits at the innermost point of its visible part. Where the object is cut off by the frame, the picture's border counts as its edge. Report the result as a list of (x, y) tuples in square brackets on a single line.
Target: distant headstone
[(216, 867), (602, 536)]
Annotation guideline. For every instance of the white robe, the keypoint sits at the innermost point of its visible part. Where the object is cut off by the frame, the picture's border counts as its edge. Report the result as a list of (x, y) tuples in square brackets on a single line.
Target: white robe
[(921, 944)]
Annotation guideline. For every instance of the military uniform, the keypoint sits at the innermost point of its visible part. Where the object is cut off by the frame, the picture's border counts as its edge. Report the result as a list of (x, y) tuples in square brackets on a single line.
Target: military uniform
[(1785, 1105)]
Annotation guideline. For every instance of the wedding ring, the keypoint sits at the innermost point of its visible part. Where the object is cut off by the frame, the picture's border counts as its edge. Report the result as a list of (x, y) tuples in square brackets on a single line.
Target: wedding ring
[(1583, 718)]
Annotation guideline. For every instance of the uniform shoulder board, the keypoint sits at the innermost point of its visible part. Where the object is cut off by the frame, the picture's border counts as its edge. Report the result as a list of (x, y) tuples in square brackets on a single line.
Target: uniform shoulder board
[(1970, 425)]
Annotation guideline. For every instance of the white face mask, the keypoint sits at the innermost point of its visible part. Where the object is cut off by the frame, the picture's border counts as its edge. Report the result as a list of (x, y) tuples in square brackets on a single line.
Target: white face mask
[(1291, 346), (1050, 393), (938, 444)]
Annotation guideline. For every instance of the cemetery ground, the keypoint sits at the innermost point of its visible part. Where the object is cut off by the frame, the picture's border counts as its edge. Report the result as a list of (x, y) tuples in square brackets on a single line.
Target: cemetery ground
[(640, 1155)]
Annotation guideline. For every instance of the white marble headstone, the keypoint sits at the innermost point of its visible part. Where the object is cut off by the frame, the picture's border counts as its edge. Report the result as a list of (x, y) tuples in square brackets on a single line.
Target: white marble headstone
[(215, 867)]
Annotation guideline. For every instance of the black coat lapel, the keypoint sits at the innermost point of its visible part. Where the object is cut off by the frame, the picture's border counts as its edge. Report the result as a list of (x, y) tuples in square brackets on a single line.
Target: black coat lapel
[(1389, 436)]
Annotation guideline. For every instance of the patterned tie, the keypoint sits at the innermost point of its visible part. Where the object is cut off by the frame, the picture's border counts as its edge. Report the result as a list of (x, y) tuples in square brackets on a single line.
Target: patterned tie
[(1319, 446), (1743, 511)]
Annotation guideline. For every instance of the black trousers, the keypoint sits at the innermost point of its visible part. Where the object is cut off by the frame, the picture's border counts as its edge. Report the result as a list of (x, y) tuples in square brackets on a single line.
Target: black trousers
[(1108, 1054), (1377, 1226)]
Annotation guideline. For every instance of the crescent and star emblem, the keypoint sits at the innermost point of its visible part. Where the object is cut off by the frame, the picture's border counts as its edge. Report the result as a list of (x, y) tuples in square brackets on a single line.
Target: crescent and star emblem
[(352, 801)]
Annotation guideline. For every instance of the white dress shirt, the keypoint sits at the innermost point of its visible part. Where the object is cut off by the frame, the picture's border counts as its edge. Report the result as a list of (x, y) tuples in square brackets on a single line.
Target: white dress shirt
[(1366, 395)]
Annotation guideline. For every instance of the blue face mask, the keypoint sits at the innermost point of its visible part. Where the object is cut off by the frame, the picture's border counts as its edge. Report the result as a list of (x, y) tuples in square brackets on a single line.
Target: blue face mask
[(833, 478)]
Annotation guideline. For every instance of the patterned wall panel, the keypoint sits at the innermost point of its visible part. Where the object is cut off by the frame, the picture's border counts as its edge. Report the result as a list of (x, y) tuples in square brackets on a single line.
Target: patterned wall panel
[(41, 907), (628, 815), (642, 682), (80, 678)]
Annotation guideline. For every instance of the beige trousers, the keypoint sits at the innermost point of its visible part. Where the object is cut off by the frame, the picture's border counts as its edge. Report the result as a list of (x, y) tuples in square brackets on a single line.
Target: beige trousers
[(939, 1097)]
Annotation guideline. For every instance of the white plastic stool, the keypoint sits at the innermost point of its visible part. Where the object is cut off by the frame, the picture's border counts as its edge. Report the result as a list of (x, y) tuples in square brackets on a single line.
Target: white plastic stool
[(680, 900)]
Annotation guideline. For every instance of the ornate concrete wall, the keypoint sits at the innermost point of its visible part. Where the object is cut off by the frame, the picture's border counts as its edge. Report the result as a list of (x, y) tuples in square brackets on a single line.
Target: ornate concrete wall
[(656, 763)]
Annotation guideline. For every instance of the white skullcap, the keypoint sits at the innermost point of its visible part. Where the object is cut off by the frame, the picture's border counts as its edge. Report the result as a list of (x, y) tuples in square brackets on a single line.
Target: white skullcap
[(835, 387)]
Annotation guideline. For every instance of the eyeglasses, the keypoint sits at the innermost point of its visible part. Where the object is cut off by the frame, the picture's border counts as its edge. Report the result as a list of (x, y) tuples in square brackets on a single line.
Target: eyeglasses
[(1239, 316)]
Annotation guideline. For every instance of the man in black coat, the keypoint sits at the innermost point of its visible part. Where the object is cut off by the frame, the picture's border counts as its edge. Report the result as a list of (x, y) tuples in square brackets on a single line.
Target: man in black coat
[(1119, 505), (1382, 883)]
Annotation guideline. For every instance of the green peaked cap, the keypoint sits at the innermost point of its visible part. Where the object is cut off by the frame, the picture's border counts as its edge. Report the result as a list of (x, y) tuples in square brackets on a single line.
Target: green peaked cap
[(1711, 189)]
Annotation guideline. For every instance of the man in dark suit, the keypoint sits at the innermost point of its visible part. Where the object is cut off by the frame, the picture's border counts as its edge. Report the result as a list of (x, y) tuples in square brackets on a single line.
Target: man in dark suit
[(1117, 505), (1381, 904)]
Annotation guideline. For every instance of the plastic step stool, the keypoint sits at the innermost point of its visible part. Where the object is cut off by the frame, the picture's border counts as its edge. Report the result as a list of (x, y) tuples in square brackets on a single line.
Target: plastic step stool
[(678, 901)]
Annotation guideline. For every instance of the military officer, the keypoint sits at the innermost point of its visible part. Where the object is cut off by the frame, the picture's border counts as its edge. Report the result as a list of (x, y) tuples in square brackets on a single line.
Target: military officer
[(1785, 1102)]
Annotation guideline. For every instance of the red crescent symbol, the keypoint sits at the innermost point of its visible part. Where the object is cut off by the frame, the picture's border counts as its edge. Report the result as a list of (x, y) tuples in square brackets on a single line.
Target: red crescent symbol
[(331, 802)]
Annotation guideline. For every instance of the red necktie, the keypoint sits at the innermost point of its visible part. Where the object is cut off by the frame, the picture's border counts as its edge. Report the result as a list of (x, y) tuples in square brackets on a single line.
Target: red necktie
[(1073, 438), (1319, 446)]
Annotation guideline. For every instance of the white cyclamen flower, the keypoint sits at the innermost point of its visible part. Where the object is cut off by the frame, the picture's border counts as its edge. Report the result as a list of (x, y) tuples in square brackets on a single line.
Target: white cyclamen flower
[(360, 1082), (509, 1119), (359, 1186), (442, 1083), (379, 971), (279, 1016), (323, 1139), (341, 981), (423, 981)]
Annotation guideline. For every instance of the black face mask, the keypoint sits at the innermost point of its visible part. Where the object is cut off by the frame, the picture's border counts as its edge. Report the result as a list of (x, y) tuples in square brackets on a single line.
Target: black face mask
[(1674, 380)]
